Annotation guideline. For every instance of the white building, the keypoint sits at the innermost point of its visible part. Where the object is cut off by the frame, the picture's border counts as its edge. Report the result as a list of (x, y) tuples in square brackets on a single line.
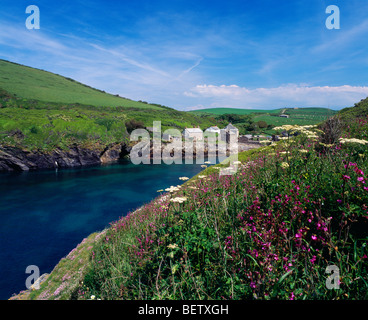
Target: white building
[(195, 133), (230, 128), (213, 129)]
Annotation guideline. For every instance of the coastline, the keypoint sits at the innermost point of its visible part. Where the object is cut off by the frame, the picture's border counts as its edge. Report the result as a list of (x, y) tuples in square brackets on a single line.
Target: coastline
[(69, 270)]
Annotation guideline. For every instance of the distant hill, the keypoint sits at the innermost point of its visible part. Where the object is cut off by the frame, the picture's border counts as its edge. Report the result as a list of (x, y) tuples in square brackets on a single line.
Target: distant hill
[(220, 111), (306, 110), (31, 83)]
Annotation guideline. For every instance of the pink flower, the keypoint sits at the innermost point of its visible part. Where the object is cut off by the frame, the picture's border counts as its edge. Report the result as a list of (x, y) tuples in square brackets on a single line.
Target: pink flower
[(360, 179), (345, 177), (292, 296), (314, 237)]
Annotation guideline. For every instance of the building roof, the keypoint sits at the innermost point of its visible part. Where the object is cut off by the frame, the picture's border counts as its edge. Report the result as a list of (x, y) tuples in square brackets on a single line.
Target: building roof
[(193, 130), (214, 128), (230, 126)]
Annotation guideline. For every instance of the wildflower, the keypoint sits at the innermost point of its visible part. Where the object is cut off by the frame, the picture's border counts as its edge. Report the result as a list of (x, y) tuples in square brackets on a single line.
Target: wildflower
[(178, 199), (313, 260), (285, 165), (173, 246), (360, 179), (314, 237), (161, 190), (207, 162), (183, 178), (203, 166), (353, 140), (303, 151), (201, 176), (93, 297), (172, 189), (345, 177)]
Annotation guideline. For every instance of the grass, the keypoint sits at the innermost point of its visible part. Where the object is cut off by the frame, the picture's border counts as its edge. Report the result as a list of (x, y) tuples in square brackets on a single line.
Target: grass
[(40, 110), (67, 275), (30, 83), (39, 125), (220, 111)]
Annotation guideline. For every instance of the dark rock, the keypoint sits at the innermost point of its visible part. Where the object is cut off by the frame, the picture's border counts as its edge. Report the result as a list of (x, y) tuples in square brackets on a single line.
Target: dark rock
[(16, 159)]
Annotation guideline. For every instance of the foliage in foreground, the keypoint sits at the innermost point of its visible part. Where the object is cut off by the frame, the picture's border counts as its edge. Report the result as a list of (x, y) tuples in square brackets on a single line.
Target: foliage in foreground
[(267, 232)]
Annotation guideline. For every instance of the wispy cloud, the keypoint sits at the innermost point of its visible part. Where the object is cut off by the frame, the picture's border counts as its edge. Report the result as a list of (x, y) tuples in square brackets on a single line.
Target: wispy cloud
[(286, 95), (165, 52)]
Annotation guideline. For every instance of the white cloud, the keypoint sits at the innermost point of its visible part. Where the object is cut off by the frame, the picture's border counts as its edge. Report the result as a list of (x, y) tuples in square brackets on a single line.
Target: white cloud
[(286, 95)]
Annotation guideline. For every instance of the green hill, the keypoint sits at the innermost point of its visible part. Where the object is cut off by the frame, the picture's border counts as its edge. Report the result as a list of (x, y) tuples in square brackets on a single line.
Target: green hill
[(29, 83), (358, 110), (40, 110), (220, 111)]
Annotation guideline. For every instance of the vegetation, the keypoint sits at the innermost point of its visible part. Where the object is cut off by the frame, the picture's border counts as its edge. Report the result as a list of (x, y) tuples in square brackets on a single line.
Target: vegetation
[(29, 83), (44, 111), (267, 232), (262, 121)]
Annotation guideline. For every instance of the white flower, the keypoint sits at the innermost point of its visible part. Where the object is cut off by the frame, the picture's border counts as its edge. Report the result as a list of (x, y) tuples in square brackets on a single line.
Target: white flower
[(353, 140), (285, 165), (93, 297), (183, 178), (179, 199), (173, 246), (172, 189)]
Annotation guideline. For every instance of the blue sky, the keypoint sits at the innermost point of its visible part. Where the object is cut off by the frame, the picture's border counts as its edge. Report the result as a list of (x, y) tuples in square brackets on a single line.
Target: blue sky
[(198, 54)]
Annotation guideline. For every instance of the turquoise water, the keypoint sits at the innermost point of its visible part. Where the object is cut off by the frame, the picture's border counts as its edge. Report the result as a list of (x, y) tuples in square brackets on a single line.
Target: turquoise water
[(45, 214)]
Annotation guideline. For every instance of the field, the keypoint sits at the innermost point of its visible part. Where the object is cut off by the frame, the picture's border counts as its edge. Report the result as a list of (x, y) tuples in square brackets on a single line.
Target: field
[(30, 83), (261, 121), (220, 111)]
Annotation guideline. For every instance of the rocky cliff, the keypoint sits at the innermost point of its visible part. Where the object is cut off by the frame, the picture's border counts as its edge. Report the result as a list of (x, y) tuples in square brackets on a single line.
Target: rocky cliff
[(16, 159)]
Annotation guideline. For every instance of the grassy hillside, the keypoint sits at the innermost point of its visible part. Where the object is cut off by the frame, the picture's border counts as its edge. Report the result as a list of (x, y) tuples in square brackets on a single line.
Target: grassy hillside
[(29, 83), (41, 110), (360, 109)]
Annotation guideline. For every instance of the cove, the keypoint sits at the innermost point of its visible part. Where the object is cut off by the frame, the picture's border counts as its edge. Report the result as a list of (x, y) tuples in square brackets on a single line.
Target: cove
[(45, 214)]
